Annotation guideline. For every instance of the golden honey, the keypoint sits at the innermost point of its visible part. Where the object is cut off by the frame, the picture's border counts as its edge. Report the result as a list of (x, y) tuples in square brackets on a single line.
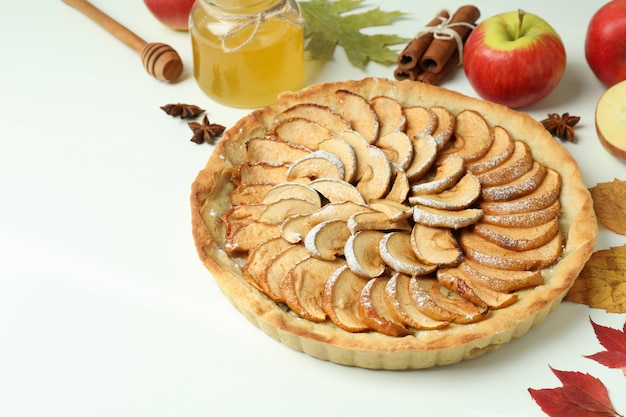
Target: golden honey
[(246, 52)]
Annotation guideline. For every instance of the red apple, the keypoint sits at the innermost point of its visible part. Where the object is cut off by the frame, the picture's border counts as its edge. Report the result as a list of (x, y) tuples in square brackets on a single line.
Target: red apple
[(172, 13), (605, 44), (611, 120), (514, 58)]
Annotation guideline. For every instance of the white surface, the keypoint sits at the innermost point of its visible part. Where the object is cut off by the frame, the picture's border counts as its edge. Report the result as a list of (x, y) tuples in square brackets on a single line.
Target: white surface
[(105, 308)]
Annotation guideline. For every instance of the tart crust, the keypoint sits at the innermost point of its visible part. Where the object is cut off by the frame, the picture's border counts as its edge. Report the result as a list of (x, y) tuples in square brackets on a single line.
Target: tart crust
[(456, 342)]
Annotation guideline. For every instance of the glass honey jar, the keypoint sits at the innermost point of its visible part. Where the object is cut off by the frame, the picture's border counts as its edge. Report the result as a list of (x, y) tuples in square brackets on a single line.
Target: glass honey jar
[(246, 52)]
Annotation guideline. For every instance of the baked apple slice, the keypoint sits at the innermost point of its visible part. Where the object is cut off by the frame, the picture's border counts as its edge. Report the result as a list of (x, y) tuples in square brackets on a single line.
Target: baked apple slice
[(292, 190), (472, 136), (424, 156), (363, 255), (519, 163), (301, 132), (399, 300), (326, 240), (447, 172), (500, 279), (446, 123), (260, 172), (421, 121), (318, 113), (359, 113), (473, 290), (376, 313), (461, 195), (518, 238), (376, 179), (246, 194), (278, 211), (317, 164), (400, 187), (294, 228), (341, 210), (451, 219), (398, 148), (342, 150), (376, 220), (277, 268), (260, 256), (501, 149), (273, 151), (435, 245), (396, 252), (520, 187), (340, 299), (245, 236), (336, 190), (390, 114), (526, 219), (393, 209), (303, 286)]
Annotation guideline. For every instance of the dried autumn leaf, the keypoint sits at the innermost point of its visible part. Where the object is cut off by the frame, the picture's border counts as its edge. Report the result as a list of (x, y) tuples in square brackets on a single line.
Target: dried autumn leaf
[(609, 202), (614, 341), (602, 282), (327, 26), (581, 395)]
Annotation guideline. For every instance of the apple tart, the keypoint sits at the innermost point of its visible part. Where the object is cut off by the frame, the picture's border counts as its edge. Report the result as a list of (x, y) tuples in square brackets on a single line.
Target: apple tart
[(391, 225)]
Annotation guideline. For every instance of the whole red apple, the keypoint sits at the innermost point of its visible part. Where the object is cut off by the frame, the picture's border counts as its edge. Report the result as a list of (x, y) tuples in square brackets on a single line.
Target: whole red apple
[(514, 58), (172, 13), (605, 44)]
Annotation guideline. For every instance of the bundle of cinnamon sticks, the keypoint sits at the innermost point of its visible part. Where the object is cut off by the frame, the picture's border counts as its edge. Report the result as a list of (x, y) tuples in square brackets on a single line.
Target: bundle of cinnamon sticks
[(437, 48)]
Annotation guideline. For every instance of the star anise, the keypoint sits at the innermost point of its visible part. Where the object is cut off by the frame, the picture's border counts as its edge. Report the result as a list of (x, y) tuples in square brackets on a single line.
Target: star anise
[(561, 126), (205, 131), (184, 111)]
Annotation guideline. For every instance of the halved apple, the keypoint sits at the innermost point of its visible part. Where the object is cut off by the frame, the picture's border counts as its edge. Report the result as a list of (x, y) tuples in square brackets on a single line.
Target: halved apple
[(359, 113), (610, 120), (340, 299)]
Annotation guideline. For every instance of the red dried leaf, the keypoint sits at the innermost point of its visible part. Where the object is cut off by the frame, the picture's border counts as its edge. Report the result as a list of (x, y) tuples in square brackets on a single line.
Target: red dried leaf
[(614, 341), (582, 395)]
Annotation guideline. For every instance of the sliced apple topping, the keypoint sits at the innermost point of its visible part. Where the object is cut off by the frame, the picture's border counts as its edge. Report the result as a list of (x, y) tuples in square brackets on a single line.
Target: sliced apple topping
[(435, 245), (363, 255), (340, 299), (326, 240), (273, 151), (359, 113), (319, 114), (462, 195), (421, 121), (292, 190), (302, 132), (379, 217), (342, 150), (318, 164), (390, 114), (376, 313), (396, 252), (304, 284), (449, 170), (400, 301)]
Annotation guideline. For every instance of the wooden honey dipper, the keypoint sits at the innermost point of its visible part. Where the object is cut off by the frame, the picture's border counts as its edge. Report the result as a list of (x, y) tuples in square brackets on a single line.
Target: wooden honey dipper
[(160, 60)]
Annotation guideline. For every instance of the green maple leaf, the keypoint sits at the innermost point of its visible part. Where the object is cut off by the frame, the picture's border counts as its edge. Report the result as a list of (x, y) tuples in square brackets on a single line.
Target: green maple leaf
[(326, 27)]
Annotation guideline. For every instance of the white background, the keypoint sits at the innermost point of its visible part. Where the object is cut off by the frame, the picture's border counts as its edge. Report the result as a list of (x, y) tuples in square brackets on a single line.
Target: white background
[(105, 308)]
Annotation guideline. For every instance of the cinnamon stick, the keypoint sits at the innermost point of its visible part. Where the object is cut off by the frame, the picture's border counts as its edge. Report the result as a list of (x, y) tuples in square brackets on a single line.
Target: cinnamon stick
[(409, 58), (435, 78), (440, 50)]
